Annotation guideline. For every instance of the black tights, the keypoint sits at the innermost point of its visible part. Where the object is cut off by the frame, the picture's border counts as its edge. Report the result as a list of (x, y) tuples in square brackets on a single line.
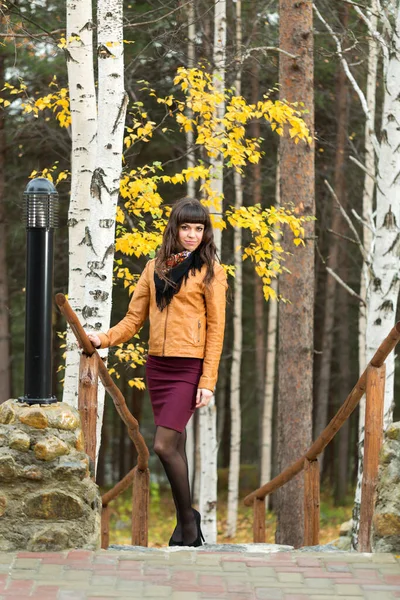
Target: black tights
[(169, 445)]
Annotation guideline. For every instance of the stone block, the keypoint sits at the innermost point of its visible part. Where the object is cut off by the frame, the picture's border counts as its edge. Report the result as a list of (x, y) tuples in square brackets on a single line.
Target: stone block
[(53, 505), (4, 431), (393, 432), (19, 440), (7, 468), (3, 505), (346, 528), (72, 468), (50, 448), (80, 442), (386, 524), (49, 539), (34, 416), (62, 416), (31, 472), (7, 412)]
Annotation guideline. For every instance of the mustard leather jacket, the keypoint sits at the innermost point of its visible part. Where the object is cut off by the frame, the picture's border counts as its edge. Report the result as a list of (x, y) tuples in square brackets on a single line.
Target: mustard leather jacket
[(192, 325)]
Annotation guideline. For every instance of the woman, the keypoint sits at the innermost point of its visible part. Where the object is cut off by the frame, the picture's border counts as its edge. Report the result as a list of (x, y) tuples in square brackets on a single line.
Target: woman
[(183, 292)]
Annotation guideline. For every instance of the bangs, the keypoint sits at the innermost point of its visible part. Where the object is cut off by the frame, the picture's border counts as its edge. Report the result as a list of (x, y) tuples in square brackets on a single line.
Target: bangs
[(192, 213)]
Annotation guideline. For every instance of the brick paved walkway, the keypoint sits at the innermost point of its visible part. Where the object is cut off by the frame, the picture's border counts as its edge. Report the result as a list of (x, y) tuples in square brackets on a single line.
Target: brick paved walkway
[(198, 575)]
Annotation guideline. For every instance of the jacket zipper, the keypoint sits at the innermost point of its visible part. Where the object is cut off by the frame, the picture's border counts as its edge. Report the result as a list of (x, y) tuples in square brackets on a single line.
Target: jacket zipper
[(198, 332), (165, 332)]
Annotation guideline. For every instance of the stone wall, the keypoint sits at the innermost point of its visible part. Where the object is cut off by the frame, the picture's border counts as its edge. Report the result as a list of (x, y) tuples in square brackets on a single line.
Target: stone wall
[(386, 520), (47, 499)]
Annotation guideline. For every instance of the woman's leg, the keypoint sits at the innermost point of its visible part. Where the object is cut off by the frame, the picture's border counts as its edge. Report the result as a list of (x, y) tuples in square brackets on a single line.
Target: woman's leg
[(177, 533), (169, 445)]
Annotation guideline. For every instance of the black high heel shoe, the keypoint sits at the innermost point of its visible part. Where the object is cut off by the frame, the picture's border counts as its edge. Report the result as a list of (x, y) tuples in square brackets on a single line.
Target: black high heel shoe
[(173, 542), (200, 537)]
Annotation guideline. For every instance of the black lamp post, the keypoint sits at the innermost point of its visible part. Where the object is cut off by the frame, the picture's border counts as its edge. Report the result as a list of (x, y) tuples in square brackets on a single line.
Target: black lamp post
[(41, 218)]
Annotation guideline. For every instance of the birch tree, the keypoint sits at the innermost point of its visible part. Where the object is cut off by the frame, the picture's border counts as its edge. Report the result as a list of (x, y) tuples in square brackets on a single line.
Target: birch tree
[(368, 193), (383, 290), (105, 182), (191, 191), (97, 139), (384, 282), (208, 416), (234, 460), (270, 367), (83, 154)]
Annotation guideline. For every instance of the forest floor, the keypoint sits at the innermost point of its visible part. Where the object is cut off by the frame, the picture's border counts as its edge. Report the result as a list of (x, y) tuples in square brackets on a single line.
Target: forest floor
[(162, 520)]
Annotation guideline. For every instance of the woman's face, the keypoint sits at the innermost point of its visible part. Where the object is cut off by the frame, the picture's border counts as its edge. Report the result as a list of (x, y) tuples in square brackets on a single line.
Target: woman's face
[(190, 235)]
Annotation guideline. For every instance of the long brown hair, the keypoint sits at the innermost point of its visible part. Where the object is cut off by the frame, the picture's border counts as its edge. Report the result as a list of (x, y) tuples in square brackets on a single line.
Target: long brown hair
[(187, 210)]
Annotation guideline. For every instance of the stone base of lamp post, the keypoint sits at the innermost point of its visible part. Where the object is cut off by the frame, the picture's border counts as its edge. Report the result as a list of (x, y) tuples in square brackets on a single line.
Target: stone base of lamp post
[(48, 501)]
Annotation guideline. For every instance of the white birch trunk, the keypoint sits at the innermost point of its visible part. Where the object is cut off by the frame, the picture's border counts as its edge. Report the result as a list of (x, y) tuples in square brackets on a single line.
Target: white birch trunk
[(236, 422), (368, 241), (266, 443), (208, 486), (383, 290), (208, 415), (190, 448), (368, 197), (270, 366), (83, 132), (112, 102), (217, 163), (191, 191), (191, 184)]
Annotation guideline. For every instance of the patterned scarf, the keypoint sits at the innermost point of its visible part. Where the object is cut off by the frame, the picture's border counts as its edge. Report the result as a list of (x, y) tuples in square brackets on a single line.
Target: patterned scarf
[(179, 266)]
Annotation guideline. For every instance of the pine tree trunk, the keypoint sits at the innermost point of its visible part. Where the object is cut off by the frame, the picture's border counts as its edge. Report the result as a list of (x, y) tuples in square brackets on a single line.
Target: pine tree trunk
[(104, 188), (295, 353), (5, 363), (236, 422), (83, 133), (337, 222)]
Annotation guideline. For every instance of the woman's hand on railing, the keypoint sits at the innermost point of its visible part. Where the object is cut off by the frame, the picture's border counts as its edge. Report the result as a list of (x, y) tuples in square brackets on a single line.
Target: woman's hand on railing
[(94, 339)]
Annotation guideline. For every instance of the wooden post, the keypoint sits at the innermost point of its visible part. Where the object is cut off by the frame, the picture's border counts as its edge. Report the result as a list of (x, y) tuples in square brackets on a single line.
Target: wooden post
[(311, 502), (105, 527), (259, 521), (375, 393), (87, 402), (140, 507)]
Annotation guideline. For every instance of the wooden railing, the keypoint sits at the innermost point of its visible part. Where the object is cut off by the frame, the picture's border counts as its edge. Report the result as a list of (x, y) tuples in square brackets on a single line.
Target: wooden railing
[(91, 367), (372, 381)]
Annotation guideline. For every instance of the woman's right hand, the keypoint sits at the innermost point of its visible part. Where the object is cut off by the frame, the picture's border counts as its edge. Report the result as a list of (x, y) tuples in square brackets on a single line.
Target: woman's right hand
[(94, 339)]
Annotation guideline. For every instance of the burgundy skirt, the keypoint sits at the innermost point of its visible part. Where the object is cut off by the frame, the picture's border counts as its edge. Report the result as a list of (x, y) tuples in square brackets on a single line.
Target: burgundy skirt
[(172, 383)]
